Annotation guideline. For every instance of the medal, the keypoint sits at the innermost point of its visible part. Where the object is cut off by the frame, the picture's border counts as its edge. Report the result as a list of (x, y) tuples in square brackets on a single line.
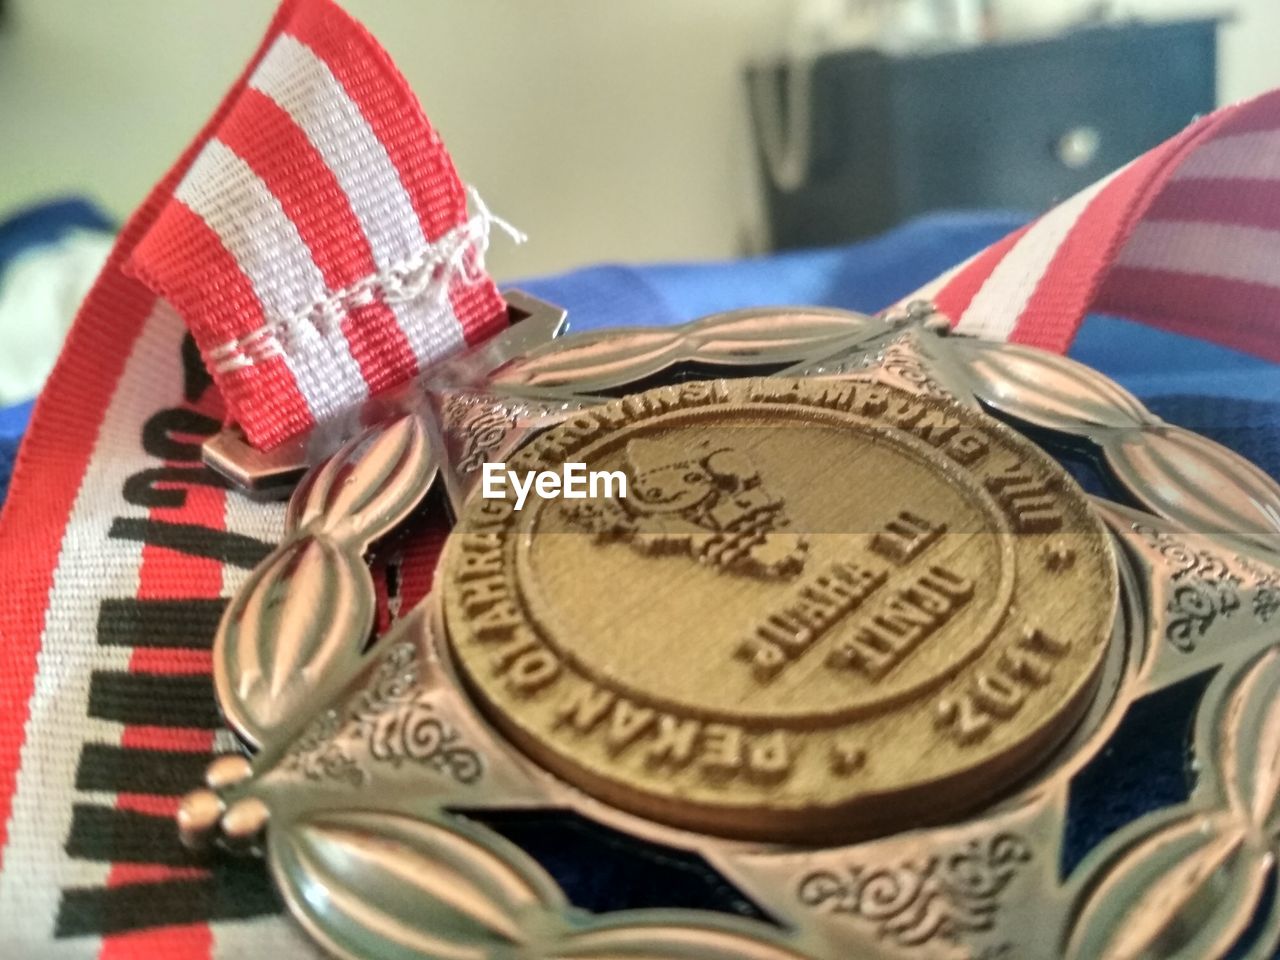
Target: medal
[(853, 561), (840, 629)]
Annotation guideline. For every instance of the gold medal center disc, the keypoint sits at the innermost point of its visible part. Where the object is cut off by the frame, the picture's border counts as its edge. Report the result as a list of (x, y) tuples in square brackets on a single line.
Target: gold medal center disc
[(820, 610)]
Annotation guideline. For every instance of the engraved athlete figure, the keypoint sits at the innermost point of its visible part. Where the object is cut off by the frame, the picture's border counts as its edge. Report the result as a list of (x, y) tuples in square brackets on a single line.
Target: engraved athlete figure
[(707, 502)]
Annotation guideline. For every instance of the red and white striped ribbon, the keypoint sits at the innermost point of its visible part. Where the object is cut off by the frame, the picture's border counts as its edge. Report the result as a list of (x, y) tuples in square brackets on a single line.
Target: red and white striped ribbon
[(1186, 237), (319, 246)]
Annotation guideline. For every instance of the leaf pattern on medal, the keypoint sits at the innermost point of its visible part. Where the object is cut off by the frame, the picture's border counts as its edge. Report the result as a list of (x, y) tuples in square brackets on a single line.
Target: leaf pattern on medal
[(369, 485), (1047, 389), (387, 884), (391, 720), (943, 896), (1195, 882), (1248, 740), (1197, 483), (294, 633), (295, 628), (658, 941), (1173, 472), (620, 357)]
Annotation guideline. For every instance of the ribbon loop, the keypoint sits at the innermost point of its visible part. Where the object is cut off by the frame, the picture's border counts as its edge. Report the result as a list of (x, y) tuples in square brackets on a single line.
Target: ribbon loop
[(320, 247)]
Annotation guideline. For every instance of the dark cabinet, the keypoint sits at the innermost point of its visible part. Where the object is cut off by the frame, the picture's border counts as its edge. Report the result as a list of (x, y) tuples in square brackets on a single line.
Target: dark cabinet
[(1006, 125)]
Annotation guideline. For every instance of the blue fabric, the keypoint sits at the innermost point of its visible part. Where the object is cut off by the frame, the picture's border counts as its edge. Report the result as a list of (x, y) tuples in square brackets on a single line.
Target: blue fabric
[(33, 227), (13, 421), (866, 276), (48, 223)]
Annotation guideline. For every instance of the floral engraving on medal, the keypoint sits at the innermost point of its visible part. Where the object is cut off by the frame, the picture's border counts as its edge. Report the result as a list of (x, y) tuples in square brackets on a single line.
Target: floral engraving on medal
[(390, 721), (482, 426), (1266, 600), (1204, 588), (902, 359), (708, 503), (1266, 591), (941, 897), (318, 756)]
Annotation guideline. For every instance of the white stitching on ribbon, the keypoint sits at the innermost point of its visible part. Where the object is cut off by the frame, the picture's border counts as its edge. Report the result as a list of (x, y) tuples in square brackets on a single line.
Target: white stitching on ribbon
[(460, 253)]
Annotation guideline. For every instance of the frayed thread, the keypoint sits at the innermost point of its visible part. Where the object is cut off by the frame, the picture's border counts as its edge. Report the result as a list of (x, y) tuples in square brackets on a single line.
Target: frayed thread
[(458, 255)]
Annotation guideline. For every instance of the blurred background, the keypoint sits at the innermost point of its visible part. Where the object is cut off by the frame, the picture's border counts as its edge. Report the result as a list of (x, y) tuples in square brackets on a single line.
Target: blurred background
[(617, 130), (625, 130)]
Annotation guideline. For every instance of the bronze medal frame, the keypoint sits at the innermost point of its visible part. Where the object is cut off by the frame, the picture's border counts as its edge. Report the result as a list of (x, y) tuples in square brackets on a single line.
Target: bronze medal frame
[(364, 754)]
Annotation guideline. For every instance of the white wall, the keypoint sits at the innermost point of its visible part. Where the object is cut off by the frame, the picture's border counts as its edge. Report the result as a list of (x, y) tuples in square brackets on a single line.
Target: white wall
[(607, 130)]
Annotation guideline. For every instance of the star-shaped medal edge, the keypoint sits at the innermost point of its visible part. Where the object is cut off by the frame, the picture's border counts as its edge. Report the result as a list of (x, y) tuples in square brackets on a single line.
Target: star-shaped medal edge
[(1203, 585)]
